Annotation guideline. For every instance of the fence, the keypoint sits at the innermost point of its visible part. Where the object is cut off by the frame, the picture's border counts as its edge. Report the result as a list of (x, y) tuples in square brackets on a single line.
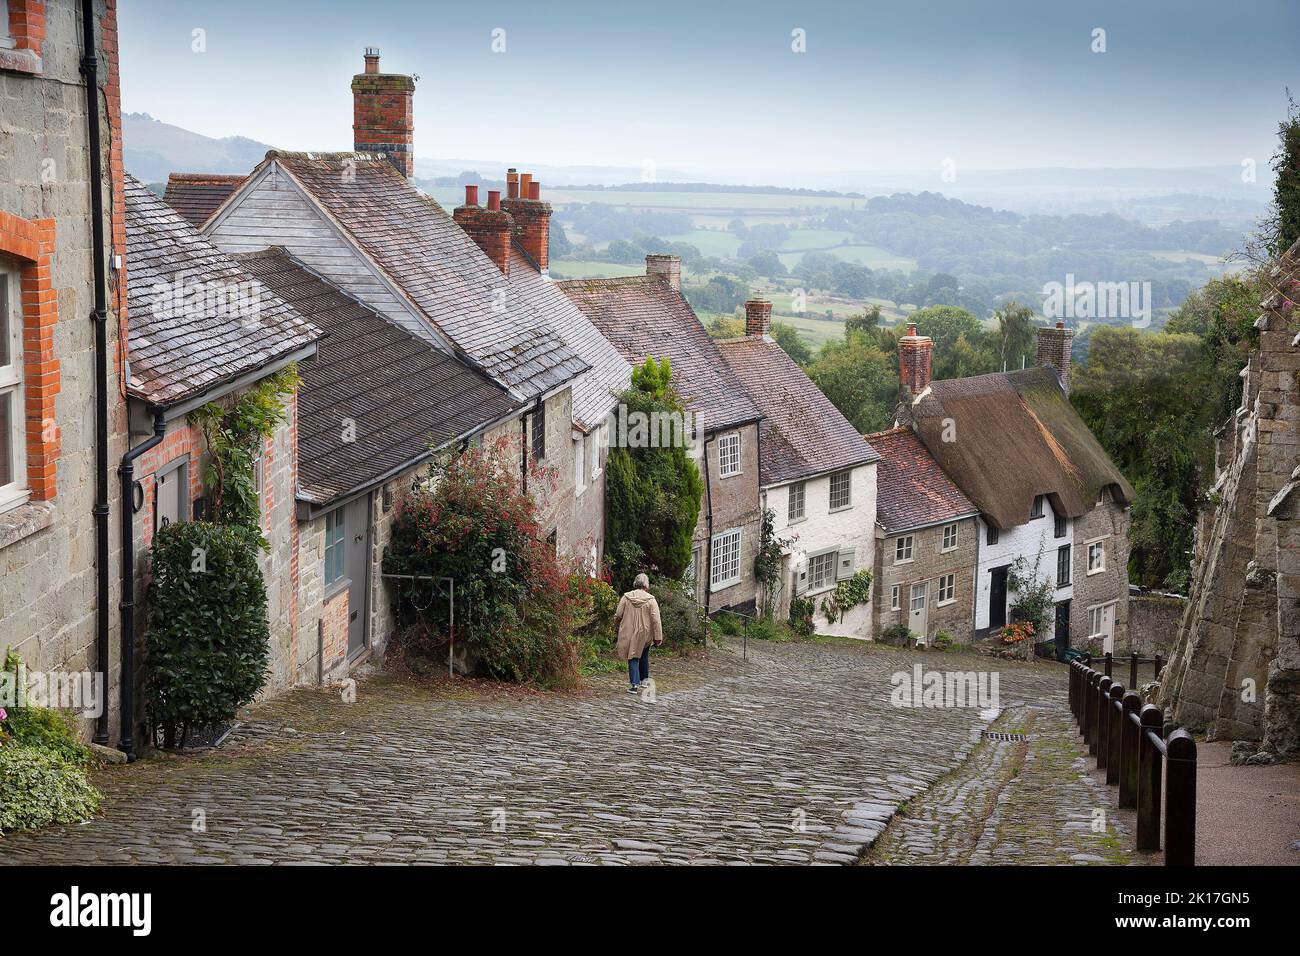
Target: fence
[(1108, 661), (1136, 749)]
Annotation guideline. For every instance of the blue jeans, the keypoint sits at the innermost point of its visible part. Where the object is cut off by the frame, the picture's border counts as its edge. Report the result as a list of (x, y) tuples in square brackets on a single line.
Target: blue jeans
[(638, 668)]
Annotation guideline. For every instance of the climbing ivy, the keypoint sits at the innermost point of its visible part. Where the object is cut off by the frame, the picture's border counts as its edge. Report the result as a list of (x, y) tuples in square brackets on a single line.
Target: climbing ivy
[(847, 595), (769, 561)]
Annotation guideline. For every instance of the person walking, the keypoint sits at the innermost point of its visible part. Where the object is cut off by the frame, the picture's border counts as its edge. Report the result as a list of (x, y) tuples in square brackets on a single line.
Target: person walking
[(637, 620)]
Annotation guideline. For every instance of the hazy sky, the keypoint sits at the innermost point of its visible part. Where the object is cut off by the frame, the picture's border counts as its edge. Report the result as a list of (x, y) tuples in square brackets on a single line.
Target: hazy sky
[(715, 85)]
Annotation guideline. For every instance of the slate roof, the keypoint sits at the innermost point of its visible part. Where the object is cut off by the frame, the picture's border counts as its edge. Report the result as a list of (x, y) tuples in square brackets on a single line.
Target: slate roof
[(1014, 435), (911, 489), (645, 316), (402, 395), (224, 325), (425, 253), (196, 196), (609, 373), (802, 433)]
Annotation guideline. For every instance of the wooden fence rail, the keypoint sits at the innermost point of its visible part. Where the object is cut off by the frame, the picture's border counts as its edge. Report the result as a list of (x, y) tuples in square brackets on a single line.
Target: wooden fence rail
[(1136, 749)]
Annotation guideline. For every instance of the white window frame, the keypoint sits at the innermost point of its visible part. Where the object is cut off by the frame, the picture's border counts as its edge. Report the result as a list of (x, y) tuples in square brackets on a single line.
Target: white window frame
[(600, 438), (15, 492), (944, 545), (579, 463), (180, 467), (847, 478), (721, 574), (919, 593), (830, 559), (800, 490), (1097, 620), (946, 584), (729, 455), (905, 549), (1100, 545), (7, 41), (895, 597), (1038, 508)]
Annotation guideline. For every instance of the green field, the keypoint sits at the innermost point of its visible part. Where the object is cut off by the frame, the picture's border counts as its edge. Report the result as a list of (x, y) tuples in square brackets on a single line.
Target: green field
[(710, 242), (737, 203), (588, 269), (801, 240), (873, 257)]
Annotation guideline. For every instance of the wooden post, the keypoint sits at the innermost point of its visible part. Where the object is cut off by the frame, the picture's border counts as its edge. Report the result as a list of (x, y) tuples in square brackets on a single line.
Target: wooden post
[(1089, 696), (1108, 660), (1128, 755), (1180, 800), (1157, 677), (1133, 670), (1150, 763), (1074, 678), (1103, 721), (1114, 736)]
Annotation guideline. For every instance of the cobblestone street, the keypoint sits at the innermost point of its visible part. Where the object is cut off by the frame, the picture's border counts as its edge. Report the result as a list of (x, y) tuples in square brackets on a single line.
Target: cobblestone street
[(793, 756)]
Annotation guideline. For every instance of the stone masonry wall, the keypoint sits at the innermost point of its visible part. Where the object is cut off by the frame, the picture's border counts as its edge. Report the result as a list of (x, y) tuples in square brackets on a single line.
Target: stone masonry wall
[(1108, 521), (928, 564)]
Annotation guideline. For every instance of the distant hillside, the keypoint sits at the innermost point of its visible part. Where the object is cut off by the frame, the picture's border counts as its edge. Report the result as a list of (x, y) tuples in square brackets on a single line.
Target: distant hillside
[(152, 149)]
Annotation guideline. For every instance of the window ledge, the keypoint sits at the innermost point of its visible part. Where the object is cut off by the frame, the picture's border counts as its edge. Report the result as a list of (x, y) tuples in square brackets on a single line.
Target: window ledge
[(20, 61), (25, 521), (945, 603), (1096, 571), (898, 561), (835, 511)]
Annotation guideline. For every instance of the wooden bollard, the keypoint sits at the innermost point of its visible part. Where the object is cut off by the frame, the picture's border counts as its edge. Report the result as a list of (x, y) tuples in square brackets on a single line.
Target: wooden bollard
[(1108, 662), (1128, 751), (1114, 735), (1133, 670), (1150, 762), (1180, 800), (1103, 721)]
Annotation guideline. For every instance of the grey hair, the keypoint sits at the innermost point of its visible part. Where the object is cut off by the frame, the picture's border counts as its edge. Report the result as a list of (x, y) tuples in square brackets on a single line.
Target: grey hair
[(641, 582)]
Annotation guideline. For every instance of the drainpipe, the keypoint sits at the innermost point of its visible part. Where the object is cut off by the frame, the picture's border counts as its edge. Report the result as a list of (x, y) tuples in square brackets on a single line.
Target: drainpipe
[(126, 472), (90, 70), (708, 517)]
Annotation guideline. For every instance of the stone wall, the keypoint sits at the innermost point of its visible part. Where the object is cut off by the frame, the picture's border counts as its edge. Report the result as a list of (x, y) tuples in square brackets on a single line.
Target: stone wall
[(1153, 619), (735, 505), (929, 563), (1235, 671), (1107, 522)]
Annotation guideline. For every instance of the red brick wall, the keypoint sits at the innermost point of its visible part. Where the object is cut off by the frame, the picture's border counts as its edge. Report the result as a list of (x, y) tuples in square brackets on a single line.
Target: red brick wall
[(181, 440), (27, 24), (383, 119), (334, 625), (32, 242), (914, 354), (117, 233)]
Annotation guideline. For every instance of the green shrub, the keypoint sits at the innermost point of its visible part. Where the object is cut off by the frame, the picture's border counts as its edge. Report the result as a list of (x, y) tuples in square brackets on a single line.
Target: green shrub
[(733, 625), (801, 616), (595, 631), (897, 635), (766, 629), (208, 641), (684, 622), (943, 641), (48, 729), (38, 787)]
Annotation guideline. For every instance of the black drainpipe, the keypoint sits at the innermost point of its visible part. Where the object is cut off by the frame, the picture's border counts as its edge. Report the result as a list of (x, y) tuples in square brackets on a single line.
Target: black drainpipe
[(90, 70), (708, 517), (127, 605)]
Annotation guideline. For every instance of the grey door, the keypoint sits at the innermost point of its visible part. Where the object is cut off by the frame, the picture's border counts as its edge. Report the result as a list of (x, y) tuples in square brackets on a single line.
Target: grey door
[(356, 543)]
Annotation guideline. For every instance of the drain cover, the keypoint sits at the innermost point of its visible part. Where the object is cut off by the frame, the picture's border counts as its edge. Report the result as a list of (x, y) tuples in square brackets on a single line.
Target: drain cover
[(1009, 737)]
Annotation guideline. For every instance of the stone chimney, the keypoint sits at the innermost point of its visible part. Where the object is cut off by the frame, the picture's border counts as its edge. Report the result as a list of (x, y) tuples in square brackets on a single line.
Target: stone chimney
[(914, 355), (490, 228), (382, 118), (532, 217), (1054, 351), (668, 268), (758, 316)]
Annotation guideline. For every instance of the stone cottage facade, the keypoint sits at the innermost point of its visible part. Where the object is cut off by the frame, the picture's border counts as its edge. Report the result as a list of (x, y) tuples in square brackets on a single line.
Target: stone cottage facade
[(1235, 671), (817, 478)]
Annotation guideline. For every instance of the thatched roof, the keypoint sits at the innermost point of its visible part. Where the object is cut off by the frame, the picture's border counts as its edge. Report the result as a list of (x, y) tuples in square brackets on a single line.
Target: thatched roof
[(1010, 436)]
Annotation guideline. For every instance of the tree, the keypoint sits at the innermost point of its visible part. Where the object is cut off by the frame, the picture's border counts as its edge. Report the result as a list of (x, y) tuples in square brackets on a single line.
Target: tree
[(652, 491), (961, 346), (1015, 334), (859, 379), (767, 263), (1283, 224), (792, 343)]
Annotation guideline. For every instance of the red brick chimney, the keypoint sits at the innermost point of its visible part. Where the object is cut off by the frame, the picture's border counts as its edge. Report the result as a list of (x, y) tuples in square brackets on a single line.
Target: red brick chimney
[(532, 217), (668, 268), (382, 118), (1054, 351), (758, 316), (490, 228), (914, 354)]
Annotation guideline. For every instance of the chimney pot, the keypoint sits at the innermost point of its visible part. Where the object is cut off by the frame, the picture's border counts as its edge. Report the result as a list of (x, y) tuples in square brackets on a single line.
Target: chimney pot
[(758, 316), (494, 199), (534, 190), (1060, 324), (668, 268), (525, 185), (382, 114), (911, 328), (372, 59), (471, 195), (1054, 351), (512, 183)]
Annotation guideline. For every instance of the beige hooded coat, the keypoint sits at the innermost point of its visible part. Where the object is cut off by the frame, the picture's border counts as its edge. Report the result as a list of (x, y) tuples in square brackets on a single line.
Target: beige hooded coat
[(637, 619)]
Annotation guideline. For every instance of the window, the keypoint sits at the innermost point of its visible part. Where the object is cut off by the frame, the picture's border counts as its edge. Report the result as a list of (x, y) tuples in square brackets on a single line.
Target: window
[(553, 541), (13, 417), (259, 471), (729, 455), (1062, 565), (841, 490), (1096, 557), (918, 597), (6, 41), (580, 463), (821, 570), (171, 494), (539, 432), (334, 536), (947, 592), (725, 565), (992, 536), (797, 499), (949, 537), (1061, 526), (903, 549), (895, 595), (1037, 510), (1101, 620)]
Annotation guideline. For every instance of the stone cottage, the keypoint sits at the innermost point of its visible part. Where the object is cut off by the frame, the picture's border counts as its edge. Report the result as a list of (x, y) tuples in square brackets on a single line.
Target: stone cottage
[(647, 316), (1235, 670), (1051, 502), (817, 476)]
